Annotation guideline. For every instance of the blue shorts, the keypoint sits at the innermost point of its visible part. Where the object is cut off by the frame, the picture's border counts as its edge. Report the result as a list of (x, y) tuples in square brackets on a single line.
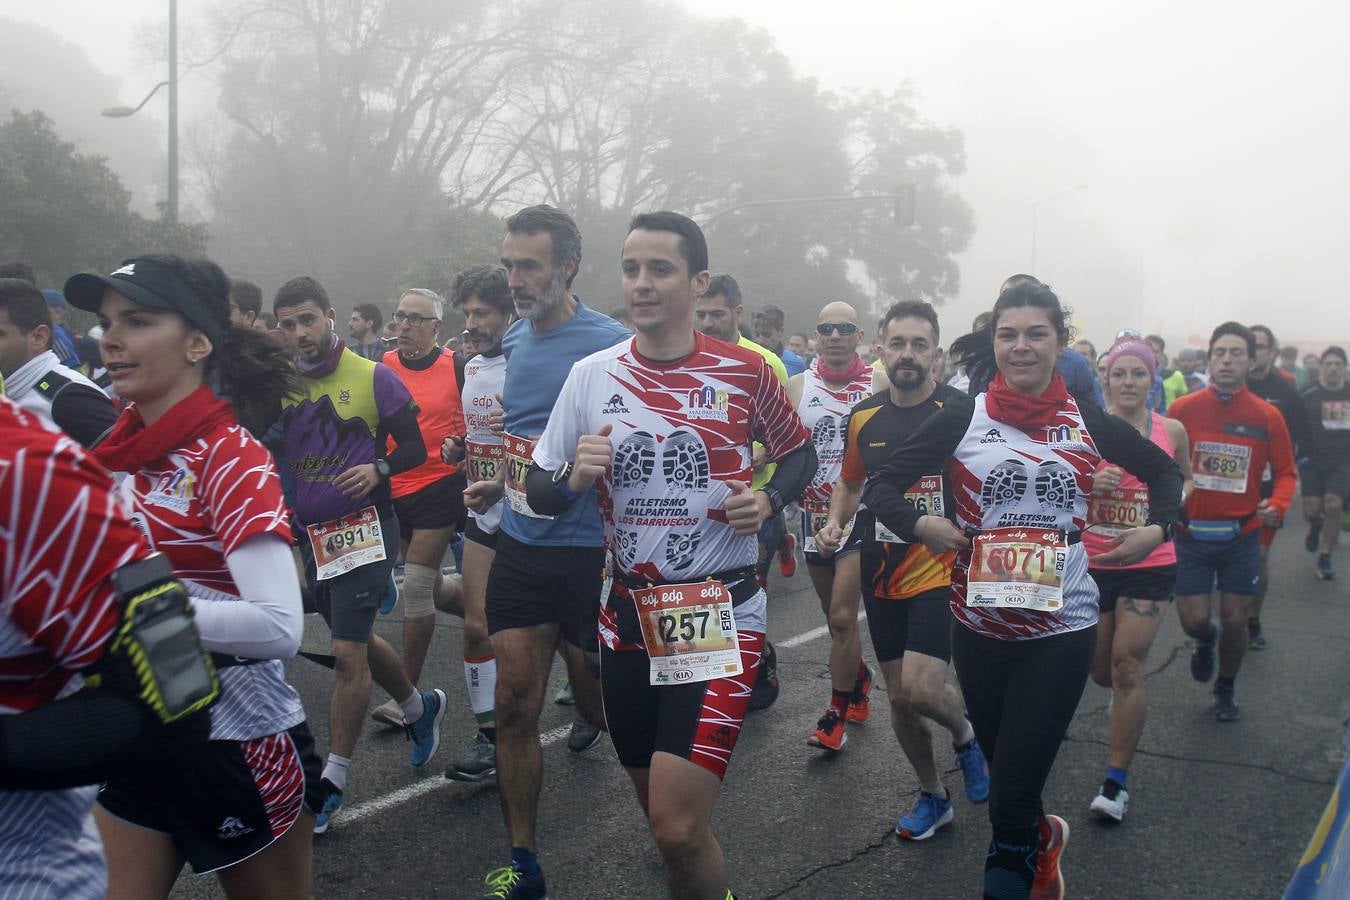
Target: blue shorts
[(1236, 565)]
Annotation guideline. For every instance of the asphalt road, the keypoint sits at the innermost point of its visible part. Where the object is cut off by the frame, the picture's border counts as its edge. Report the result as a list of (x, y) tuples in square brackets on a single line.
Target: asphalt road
[(1217, 810)]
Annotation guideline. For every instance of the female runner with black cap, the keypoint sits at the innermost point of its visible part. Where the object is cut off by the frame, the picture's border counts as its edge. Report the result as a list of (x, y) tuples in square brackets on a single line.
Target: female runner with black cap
[(206, 494)]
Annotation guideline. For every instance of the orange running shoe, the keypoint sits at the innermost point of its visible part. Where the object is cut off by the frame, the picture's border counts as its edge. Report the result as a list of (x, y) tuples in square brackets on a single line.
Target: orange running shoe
[(829, 734), (860, 704), (1049, 884), (787, 555)]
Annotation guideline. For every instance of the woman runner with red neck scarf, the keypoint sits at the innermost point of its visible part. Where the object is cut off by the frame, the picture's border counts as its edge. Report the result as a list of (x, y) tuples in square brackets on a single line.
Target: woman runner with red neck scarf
[(1020, 462)]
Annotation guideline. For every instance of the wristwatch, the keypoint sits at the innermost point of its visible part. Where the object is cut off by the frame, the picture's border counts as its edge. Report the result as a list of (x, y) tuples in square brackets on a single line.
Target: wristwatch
[(560, 482), (1166, 530), (382, 469), (776, 503)]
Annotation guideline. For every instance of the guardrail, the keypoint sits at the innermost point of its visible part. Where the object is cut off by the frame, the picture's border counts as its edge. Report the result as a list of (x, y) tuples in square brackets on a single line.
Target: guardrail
[(1324, 871)]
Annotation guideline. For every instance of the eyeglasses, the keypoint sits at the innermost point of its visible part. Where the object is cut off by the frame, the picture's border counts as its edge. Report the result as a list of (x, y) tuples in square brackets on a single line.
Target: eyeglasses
[(413, 319), (825, 329)]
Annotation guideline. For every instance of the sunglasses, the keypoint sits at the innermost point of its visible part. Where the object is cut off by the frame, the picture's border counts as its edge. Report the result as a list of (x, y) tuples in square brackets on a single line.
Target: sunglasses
[(825, 329)]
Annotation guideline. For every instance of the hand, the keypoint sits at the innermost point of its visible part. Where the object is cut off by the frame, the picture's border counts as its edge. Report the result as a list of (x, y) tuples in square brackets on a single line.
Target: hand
[(1131, 546), (757, 458), (940, 535), (595, 452), (828, 539), (1268, 514), (452, 450), (497, 418), (483, 495), (1108, 479), (746, 509), (358, 481)]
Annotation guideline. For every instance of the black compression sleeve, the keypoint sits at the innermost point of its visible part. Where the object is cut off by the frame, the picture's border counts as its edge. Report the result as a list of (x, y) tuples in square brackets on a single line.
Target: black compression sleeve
[(926, 452), (409, 449), (542, 494), (1119, 442), (794, 472), (84, 413)]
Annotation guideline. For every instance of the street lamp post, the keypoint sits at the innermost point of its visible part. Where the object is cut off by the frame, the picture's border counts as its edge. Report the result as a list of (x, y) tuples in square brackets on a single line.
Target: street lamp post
[(121, 112), (1035, 216)]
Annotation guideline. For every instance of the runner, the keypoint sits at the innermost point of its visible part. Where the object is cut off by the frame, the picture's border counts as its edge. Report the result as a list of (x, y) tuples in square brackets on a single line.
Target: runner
[(547, 572), (429, 499), (905, 586), (333, 432), (364, 325), (718, 313), (1276, 387), (204, 492), (1234, 436), (1326, 474), (682, 532), (1018, 457), (1134, 597), (33, 376), (480, 293), (823, 396), (245, 302)]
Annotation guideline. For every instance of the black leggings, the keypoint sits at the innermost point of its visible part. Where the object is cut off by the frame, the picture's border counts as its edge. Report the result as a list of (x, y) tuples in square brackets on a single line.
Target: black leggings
[(1021, 696)]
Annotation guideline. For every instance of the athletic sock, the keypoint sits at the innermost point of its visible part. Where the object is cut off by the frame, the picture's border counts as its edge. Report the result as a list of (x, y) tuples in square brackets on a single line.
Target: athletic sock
[(335, 770), (412, 706), (1222, 683), (525, 860), (480, 676), (839, 702), (1117, 775), (490, 733), (1010, 867)]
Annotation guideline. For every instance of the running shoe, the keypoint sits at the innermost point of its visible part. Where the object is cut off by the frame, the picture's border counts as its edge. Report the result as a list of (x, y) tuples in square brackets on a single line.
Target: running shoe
[(1049, 884), (1225, 704), (478, 763), (1256, 638), (928, 815), (509, 883), (1324, 570), (565, 697), (860, 704), (1313, 537), (390, 599), (975, 771), (829, 733), (388, 714), (425, 733), (765, 691), (583, 735), (1111, 801), (332, 805), (1202, 659), (787, 555)]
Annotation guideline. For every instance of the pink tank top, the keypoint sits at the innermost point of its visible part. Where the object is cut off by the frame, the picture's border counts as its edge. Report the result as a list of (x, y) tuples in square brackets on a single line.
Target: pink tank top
[(1126, 507)]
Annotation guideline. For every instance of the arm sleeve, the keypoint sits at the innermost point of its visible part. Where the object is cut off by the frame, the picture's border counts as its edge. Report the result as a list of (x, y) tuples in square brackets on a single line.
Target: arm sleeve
[(926, 451), (410, 450), (774, 421), (1120, 443), (1281, 456), (267, 621), (84, 413), (794, 472)]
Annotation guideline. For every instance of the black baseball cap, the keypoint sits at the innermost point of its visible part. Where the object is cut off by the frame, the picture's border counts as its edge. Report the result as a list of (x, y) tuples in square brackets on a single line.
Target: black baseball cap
[(150, 284)]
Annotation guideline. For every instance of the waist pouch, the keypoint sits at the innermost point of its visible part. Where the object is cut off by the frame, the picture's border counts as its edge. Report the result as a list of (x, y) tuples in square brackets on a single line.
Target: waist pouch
[(1215, 531)]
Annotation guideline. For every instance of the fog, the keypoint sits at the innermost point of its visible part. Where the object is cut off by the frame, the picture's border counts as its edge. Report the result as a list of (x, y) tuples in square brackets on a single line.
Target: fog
[(1186, 163)]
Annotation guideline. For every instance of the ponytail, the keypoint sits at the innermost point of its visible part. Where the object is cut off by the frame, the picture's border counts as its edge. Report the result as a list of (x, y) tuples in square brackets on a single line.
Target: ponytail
[(255, 375)]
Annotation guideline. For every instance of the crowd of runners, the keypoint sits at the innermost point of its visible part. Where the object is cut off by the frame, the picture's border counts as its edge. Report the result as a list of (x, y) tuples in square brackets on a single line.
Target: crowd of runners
[(182, 483)]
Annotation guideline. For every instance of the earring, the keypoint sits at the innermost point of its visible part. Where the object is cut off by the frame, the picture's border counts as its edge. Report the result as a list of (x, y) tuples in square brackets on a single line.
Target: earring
[(192, 360)]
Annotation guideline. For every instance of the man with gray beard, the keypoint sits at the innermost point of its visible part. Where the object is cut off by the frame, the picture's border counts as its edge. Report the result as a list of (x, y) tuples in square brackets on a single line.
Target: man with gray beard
[(547, 574)]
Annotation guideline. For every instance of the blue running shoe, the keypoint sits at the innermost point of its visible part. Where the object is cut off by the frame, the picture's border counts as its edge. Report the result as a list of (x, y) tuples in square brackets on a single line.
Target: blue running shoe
[(509, 883), (332, 805), (975, 771), (929, 814), (1324, 570), (390, 597), (425, 733)]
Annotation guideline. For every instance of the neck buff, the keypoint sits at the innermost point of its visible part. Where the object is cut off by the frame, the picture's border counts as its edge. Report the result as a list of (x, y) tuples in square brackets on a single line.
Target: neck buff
[(1021, 410), (856, 368)]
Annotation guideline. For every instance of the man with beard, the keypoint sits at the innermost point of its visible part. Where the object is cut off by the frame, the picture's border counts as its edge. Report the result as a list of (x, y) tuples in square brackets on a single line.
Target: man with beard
[(364, 325), (1266, 381), (905, 586), (333, 443), (823, 395), (546, 576)]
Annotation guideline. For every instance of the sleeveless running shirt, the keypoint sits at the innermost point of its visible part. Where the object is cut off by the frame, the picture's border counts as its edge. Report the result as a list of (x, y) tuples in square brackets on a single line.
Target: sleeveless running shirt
[(1126, 507), (435, 390), (484, 379), (825, 410)]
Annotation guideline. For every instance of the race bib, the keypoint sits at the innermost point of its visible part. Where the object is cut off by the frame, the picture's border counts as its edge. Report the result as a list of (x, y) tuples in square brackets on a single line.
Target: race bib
[(1222, 467), (518, 453), (814, 517), (341, 545), (926, 495), (689, 631), (1017, 568), (1116, 512), (1336, 415), (483, 461)]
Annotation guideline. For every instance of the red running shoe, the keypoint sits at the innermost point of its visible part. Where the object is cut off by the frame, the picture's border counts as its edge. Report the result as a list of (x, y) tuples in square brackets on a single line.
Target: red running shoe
[(1049, 884), (787, 555)]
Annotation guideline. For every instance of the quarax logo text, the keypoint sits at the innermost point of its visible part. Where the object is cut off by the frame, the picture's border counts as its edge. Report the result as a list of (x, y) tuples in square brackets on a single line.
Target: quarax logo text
[(707, 403)]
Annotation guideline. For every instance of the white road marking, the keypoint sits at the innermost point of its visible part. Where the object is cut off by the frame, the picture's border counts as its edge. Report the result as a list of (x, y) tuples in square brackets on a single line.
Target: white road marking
[(807, 637)]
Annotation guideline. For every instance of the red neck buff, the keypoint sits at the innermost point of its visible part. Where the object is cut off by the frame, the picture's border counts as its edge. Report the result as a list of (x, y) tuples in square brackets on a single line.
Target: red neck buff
[(1021, 410), (842, 376), (131, 443)]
